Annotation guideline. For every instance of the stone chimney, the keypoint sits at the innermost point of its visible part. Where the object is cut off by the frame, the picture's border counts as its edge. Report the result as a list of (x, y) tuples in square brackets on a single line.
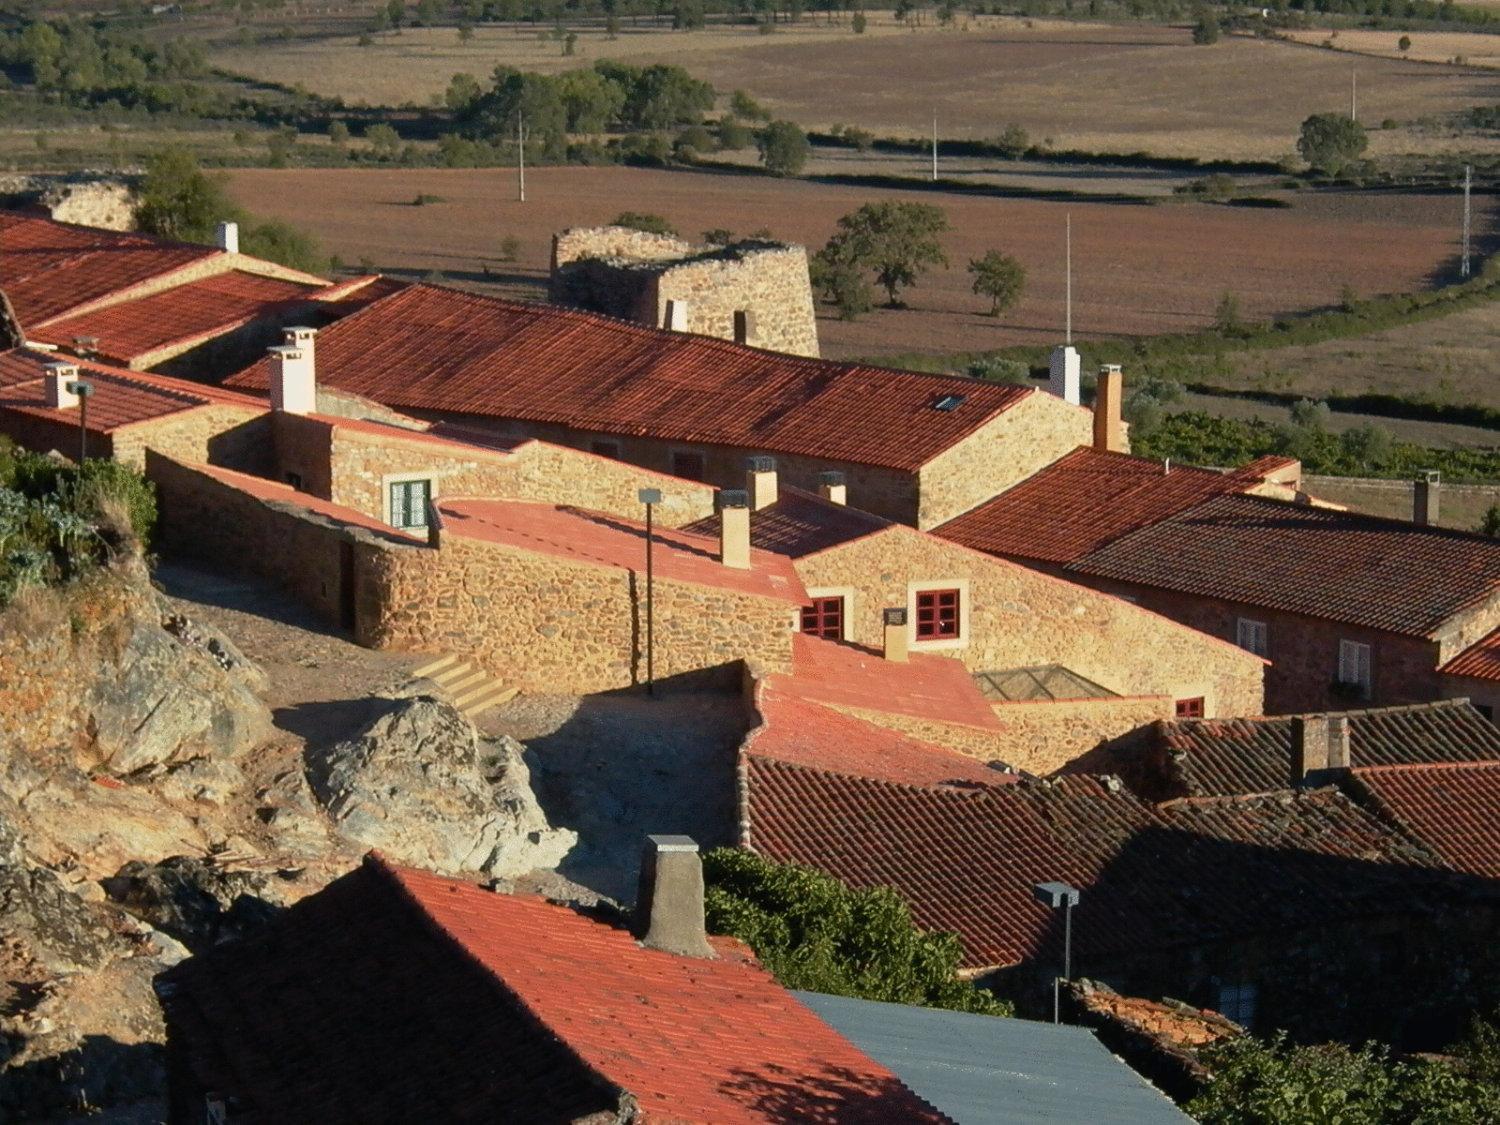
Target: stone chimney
[(895, 635), (744, 327), (676, 319), (734, 529), (227, 237), (1063, 373), (59, 375), (669, 902), (1319, 743), (293, 387), (1109, 431), (1426, 496), (831, 487), (760, 482)]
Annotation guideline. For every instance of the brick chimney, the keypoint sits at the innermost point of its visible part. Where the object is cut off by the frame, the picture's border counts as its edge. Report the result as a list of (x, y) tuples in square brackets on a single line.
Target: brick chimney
[(227, 237), (895, 635), (744, 327), (669, 901), (831, 487), (58, 376), (734, 529), (1320, 743), (1063, 372), (293, 386), (760, 482), (1426, 496), (676, 319), (1109, 431)]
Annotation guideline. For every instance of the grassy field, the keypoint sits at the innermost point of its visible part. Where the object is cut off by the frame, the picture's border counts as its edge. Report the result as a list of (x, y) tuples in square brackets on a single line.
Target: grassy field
[(1426, 46), (1462, 507), (1099, 87), (1137, 269)]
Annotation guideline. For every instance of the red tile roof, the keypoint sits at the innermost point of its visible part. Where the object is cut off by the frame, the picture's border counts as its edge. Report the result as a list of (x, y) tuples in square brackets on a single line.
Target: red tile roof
[(925, 686), (801, 523), (1480, 661), (1339, 566), (1203, 757), (48, 268), (270, 491), (800, 732), (608, 540), (193, 311), (398, 995), (1152, 877), (121, 397), (1083, 501), (1453, 808), (428, 348)]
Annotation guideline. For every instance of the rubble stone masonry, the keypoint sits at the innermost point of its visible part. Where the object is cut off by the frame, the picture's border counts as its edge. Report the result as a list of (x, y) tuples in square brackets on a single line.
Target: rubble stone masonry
[(236, 437)]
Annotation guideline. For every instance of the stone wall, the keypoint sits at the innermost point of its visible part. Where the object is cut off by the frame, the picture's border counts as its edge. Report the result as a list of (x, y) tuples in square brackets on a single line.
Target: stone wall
[(1017, 617), (1043, 736), (91, 202), (633, 274), (1481, 693), (1029, 436), (236, 437), (545, 623)]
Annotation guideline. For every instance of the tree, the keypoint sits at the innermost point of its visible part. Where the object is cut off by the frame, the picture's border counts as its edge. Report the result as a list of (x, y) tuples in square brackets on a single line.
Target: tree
[(1331, 141), (281, 242), (1403, 44), (746, 108), (1227, 315), (1206, 29), (644, 221), (463, 91), (385, 142), (858, 23), (338, 134), (841, 280), (1490, 525), (898, 242), (734, 136), (813, 932), (1013, 142), (783, 148), (1000, 278), (177, 199)]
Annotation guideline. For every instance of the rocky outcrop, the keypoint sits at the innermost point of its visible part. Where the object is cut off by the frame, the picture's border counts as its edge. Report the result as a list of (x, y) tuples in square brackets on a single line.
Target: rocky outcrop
[(196, 902), (89, 199), (421, 786)]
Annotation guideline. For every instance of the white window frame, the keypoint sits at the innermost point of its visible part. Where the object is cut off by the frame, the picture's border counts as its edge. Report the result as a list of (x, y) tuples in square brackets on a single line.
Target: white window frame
[(1356, 665), (392, 479), (1251, 635), (930, 644), (845, 592), (1242, 997)]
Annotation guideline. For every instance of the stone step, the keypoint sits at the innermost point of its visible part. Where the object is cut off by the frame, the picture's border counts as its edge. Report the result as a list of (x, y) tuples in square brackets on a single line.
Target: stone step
[(491, 695), (472, 678), (431, 669)]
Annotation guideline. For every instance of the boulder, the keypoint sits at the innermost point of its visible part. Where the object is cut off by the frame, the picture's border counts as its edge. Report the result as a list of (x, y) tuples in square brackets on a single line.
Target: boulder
[(43, 920), (194, 901), (420, 785)]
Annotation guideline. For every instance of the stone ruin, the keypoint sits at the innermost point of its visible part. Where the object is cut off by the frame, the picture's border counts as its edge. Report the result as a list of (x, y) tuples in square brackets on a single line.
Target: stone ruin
[(88, 199)]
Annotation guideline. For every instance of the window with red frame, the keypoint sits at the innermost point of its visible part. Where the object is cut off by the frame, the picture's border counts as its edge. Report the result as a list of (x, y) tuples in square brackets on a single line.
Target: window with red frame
[(824, 618), (1190, 708), (937, 615)]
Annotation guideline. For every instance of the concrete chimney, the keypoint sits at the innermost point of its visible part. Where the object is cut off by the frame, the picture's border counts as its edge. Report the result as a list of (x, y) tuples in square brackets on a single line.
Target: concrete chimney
[(227, 237), (760, 482), (895, 635), (744, 327), (1426, 495), (831, 487), (676, 319), (1109, 430), (734, 529), (669, 902), (293, 387), (303, 338), (1319, 743), (59, 375), (1064, 371)]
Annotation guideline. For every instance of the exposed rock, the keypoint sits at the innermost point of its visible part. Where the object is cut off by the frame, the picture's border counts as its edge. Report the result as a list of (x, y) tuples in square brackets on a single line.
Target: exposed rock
[(198, 903), (92, 199), (418, 784)]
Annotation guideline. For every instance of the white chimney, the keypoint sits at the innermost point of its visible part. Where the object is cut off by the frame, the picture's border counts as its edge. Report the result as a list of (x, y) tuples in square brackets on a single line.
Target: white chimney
[(1064, 371), (734, 529), (302, 338), (831, 487), (895, 635), (227, 235), (293, 387), (760, 482), (677, 316), (59, 375)]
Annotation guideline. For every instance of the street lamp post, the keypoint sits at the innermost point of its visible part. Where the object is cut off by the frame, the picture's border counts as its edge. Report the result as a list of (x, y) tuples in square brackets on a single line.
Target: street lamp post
[(650, 497), (82, 388), (1056, 895)]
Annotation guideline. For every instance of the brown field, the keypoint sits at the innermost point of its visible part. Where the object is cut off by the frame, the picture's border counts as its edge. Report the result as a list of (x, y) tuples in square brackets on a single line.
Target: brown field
[(1463, 509), (1098, 87), (1474, 48), (1137, 269)]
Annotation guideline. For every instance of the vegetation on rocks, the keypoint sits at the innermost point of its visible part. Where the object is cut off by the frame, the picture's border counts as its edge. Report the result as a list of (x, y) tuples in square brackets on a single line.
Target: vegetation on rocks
[(813, 932)]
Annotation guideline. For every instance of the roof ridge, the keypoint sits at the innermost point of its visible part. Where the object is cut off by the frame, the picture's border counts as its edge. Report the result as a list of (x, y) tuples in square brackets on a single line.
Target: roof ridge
[(1410, 767)]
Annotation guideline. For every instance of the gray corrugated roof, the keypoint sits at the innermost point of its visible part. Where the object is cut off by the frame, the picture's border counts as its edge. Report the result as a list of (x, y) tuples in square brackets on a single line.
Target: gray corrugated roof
[(981, 1070)]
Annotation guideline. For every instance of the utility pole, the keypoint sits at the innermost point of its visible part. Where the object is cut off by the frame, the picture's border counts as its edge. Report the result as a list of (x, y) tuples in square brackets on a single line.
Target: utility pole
[(1068, 269), (1354, 94), (521, 155), (934, 146), (1463, 268)]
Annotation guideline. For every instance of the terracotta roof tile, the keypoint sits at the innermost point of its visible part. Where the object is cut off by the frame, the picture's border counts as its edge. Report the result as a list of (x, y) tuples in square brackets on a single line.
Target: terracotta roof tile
[(399, 995), (428, 348), (1480, 661), (1083, 501), (270, 491), (607, 540), (48, 268), (1453, 808), (801, 523), (1205, 757), (1382, 574)]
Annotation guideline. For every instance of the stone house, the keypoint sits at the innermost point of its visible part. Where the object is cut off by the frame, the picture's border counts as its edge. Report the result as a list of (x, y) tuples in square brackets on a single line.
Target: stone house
[(754, 292), (1351, 610), (913, 447), (1474, 674)]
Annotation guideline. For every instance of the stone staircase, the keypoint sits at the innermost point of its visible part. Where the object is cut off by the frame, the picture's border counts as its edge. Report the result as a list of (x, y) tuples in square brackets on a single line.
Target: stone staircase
[(472, 690)]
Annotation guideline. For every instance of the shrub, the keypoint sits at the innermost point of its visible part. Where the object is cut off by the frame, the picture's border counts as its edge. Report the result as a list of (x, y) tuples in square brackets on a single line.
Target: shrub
[(998, 370), (644, 221), (1013, 141), (858, 23), (734, 136), (783, 148)]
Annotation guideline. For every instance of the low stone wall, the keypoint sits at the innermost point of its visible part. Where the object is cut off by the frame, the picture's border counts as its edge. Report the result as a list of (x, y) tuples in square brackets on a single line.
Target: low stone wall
[(1043, 736), (977, 742), (235, 437)]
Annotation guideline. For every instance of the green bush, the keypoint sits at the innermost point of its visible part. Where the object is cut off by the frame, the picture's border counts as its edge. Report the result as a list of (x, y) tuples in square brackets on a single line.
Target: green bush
[(644, 221)]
